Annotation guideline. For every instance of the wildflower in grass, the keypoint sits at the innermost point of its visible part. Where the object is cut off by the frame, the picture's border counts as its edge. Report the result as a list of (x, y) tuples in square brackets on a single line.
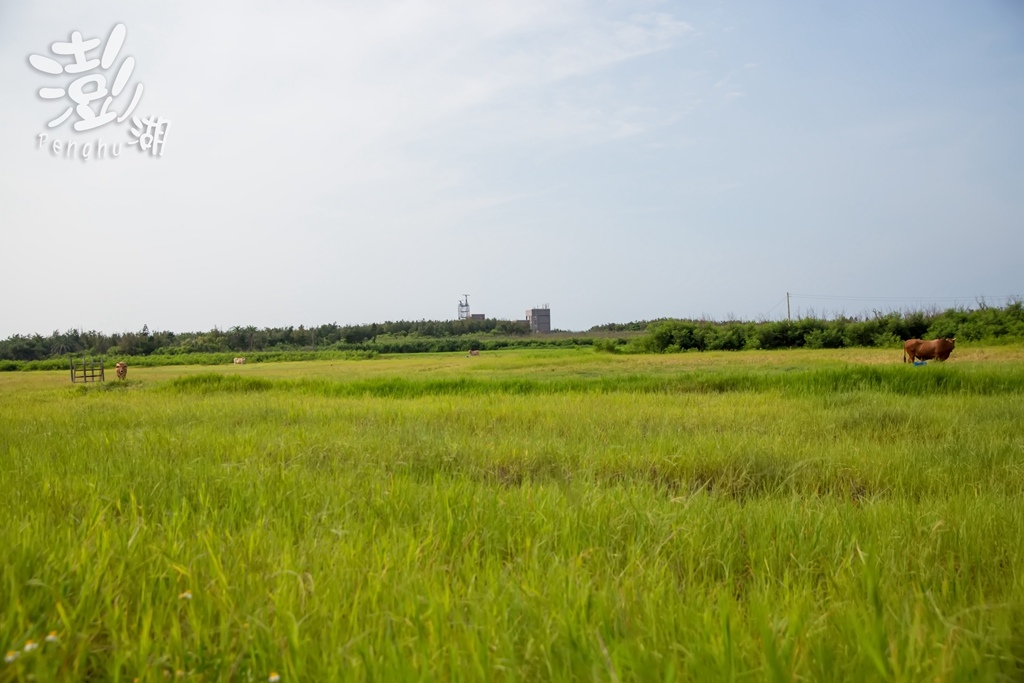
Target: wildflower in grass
[(274, 677), (51, 637), (30, 645), (186, 595), (179, 673), (11, 656)]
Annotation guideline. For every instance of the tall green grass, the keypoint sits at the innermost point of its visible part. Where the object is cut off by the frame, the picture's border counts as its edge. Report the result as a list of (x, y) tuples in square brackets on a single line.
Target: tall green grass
[(903, 380), (418, 520), (161, 360)]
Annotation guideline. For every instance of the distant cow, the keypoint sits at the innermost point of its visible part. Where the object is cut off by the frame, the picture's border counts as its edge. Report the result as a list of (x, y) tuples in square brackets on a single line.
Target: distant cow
[(474, 352), (239, 361), (121, 369), (927, 350)]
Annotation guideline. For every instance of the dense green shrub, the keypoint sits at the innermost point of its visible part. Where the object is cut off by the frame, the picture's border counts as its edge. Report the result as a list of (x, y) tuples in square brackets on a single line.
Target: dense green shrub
[(881, 330), (663, 335)]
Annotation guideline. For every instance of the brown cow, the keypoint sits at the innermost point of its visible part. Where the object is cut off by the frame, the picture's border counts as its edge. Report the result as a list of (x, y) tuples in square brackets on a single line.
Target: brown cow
[(121, 369), (927, 350)]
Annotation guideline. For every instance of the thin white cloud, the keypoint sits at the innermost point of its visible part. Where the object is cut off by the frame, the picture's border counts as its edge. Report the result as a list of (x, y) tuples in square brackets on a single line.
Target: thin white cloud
[(377, 80), (427, 147)]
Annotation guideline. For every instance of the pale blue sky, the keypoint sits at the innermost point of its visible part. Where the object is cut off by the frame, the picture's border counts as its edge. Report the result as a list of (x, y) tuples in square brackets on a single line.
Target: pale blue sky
[(360, 162)]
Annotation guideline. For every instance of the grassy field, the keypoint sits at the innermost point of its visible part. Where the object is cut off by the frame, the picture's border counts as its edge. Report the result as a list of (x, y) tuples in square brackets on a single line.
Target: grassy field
[(549, 515)]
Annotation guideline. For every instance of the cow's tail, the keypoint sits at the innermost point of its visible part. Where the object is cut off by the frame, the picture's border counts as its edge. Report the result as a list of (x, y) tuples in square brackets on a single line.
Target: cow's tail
[(904, 355)]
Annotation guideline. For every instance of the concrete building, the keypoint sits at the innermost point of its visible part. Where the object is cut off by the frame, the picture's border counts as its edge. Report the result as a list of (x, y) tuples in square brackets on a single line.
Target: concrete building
[(539, 319)]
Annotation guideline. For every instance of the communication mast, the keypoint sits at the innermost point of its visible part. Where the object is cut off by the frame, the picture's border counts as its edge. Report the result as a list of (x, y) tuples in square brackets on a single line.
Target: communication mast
[(464, 308)]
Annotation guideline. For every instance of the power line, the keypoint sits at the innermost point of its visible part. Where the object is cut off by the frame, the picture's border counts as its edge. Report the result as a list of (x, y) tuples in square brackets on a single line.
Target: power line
[(781, 301), (904, 298)]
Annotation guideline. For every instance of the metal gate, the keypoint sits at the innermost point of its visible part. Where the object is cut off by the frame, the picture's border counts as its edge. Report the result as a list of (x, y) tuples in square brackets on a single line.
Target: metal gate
[(86, 370)]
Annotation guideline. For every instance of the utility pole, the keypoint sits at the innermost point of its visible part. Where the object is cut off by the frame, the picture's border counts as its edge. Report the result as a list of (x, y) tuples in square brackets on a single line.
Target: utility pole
[(788, 316)]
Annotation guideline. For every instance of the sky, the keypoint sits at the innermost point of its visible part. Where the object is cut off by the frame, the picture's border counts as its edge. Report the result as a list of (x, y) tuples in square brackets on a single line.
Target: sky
[(357, 162)]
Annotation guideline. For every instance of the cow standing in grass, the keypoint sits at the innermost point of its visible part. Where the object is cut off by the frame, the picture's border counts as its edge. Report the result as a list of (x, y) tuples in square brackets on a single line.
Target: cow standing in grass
[(121, 369), (919, 349), (239, 361)]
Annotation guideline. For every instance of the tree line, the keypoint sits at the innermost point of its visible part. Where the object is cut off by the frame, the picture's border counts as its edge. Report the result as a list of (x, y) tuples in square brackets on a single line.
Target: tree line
[(664, 335), (879, 329), (417, 335)]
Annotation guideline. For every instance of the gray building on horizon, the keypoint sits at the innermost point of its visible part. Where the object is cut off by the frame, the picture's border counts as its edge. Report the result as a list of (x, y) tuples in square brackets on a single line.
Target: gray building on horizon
[(539, 319)]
